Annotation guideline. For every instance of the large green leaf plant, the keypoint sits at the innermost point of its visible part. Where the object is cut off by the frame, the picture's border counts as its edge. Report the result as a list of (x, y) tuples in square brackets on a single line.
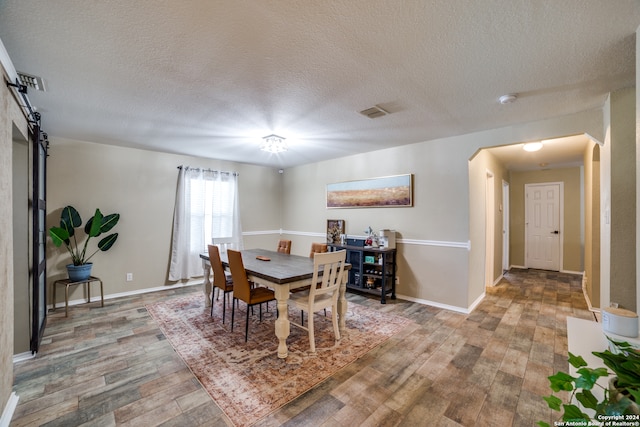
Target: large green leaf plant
[(98, 224), (623, 361)]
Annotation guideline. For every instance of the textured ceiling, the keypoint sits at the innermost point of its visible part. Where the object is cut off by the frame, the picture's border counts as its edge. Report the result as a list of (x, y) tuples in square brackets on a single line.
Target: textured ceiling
[(210, 78)]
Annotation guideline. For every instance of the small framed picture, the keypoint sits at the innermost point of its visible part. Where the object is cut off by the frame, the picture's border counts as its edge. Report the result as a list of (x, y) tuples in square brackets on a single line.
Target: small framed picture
[(335, 227)]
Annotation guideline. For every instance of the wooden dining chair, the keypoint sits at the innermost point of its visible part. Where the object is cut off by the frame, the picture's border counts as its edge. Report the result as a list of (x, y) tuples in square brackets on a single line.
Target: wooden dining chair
[(284, 246), (223, 243), (328, 270), (221, 281), (242, 289), (318, 248)]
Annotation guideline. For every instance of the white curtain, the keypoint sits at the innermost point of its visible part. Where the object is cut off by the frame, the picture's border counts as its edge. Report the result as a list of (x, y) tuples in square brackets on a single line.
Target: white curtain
[(207, 208)]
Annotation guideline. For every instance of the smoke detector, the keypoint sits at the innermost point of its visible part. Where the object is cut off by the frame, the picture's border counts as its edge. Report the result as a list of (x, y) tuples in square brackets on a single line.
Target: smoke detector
[(508, 99)]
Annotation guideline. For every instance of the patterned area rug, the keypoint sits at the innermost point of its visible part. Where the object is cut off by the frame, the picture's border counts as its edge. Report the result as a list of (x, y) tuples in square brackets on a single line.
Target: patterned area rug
[(248, 380)]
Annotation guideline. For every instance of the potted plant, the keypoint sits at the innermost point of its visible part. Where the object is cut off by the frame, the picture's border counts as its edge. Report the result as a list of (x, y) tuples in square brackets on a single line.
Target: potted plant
[(80, 268), (620, 398)]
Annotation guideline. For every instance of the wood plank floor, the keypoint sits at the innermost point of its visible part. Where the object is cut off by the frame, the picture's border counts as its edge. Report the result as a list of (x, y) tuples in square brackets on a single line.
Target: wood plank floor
[(112, 366)]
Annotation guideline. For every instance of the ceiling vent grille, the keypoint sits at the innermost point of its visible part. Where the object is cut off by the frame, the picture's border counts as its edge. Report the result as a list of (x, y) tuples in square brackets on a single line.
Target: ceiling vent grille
[(374, 112), (33, 82)]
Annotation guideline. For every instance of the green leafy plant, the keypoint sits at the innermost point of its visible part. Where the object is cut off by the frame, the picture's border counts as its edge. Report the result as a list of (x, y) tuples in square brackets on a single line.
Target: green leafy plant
[(624, 362), (98, 224)]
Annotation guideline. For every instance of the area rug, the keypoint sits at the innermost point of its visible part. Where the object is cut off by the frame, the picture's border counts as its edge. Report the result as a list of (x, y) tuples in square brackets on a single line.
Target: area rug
[(248, 380)]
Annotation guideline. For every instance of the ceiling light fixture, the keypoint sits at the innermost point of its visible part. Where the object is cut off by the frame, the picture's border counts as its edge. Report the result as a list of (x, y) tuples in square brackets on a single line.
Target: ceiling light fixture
[(508, 99), (532, 146), (273, 144)]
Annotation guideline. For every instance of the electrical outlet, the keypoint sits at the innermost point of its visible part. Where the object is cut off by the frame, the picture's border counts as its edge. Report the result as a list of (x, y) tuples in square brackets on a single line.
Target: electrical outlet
[(129, 277)]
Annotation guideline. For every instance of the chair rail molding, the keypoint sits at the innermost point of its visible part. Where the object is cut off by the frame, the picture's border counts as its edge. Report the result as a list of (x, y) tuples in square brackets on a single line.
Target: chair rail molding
[(442, 243)]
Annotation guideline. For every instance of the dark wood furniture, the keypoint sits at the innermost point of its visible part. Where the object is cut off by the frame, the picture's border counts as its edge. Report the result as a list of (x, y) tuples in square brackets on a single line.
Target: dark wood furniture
[(373, 270)]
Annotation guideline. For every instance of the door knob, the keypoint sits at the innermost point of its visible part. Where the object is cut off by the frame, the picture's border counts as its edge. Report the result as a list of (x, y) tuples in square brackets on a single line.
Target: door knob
[(555, 232)]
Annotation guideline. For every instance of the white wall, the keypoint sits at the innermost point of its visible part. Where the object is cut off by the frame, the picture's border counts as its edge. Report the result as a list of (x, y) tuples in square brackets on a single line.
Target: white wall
[(618, 273), (435, 265), (623, 204), (480, 165), (141, 186)]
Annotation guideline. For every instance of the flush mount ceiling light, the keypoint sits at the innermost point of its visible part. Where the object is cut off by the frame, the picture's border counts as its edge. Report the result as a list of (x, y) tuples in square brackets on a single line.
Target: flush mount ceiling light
[(273, 144), (532, 146), (508, 99)]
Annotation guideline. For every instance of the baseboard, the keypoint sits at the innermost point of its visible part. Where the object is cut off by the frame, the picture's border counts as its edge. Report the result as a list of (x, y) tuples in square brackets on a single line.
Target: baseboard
[(476, 302), (94, 298), (572, 272), (444, 306), (21, 357), (9, 409), (522, 267)]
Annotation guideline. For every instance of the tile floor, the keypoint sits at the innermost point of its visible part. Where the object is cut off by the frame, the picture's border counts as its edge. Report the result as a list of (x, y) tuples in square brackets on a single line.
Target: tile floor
[(112, 366)]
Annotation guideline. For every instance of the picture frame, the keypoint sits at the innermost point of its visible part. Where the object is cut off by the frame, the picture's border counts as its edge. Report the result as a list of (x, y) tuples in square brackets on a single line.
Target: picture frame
[(335, 227), (388, 191)]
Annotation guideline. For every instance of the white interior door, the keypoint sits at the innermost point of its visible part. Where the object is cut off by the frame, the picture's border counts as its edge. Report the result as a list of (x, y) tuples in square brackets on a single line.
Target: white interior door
[(543, 226)]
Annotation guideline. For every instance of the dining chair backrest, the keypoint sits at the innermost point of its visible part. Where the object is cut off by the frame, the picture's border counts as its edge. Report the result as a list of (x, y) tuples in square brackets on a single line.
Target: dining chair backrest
[(328, 270), (223, 243), (219, 279), (284, 246), (317, 248), (241, 286)]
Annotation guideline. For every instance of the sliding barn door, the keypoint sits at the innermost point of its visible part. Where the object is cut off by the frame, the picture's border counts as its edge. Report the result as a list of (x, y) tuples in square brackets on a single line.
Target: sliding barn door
[(38, 237)]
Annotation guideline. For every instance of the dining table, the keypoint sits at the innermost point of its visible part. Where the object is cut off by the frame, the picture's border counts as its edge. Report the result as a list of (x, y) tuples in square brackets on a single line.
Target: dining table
[(282, 273)]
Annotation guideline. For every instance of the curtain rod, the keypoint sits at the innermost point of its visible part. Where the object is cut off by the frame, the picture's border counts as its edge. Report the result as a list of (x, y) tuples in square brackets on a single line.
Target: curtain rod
[(210, 170)]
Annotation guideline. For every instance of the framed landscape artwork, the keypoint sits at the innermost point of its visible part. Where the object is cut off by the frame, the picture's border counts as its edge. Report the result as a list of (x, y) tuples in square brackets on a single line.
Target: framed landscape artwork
[(335, 227), (388, 191)]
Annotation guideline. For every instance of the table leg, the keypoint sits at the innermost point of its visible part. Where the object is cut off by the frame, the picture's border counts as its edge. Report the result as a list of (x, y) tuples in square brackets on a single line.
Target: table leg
[(342, 305), (282, 323), (206, 268)]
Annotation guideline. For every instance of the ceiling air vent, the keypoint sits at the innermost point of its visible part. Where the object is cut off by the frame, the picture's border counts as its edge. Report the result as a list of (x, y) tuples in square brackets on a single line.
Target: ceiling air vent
[(32, 82), (374, 112)]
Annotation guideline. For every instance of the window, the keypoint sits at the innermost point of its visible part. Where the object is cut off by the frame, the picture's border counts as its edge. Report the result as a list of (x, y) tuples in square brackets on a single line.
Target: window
[(206, 209), (212, 210)]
